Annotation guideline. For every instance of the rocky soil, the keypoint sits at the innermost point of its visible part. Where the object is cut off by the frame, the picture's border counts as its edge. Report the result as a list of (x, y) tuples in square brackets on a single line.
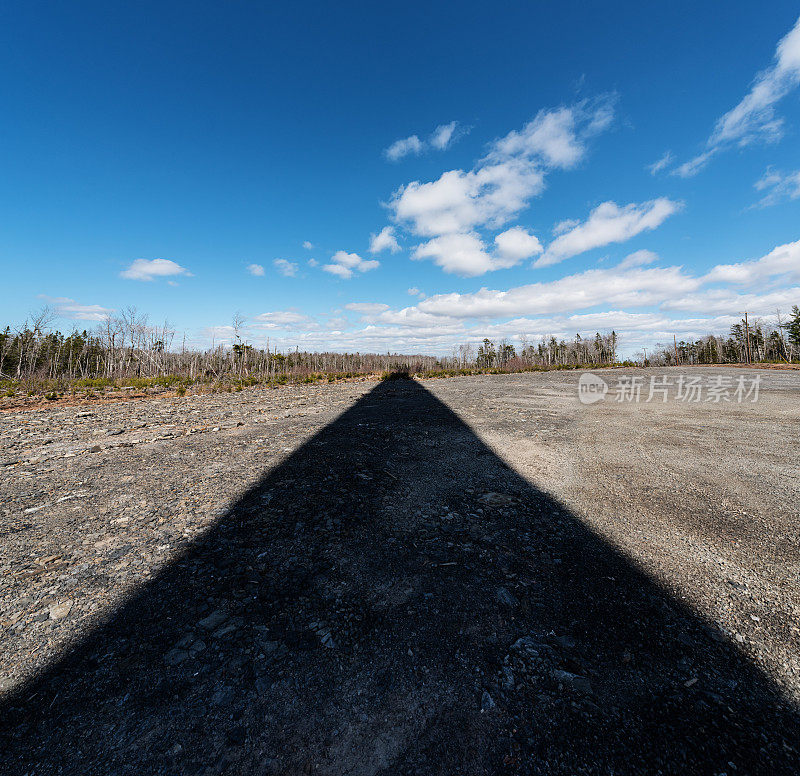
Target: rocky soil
[(474, 575)]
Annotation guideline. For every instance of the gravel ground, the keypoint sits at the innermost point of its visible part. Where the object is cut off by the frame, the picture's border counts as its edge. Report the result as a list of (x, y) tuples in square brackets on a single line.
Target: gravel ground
[(473, 575)]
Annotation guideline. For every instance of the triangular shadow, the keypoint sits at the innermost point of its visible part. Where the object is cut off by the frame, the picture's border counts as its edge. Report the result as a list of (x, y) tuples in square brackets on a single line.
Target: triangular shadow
[(394, 599)]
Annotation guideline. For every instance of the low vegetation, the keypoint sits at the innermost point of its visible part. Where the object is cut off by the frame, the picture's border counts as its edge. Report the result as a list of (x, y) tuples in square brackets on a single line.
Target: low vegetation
[(126, 353)]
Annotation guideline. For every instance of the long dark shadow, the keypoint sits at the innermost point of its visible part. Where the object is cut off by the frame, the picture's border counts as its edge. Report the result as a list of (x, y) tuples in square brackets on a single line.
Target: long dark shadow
[(394, 599)]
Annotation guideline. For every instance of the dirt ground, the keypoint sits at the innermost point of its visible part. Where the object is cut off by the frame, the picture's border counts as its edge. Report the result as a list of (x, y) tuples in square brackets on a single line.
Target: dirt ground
[(462, 576)]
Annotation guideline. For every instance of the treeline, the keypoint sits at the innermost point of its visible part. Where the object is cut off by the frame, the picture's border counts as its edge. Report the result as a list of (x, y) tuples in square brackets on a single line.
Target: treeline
[(749, 341), (83, 355), (549, 352), (127, 348)]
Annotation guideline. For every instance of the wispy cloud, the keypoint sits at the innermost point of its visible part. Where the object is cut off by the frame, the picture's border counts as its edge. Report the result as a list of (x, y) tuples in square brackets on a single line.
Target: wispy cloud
[(285, 267), (556, 137), (367, 307), (444, 135), (64, 307), (345, 265), (661, 164), (754, 118), (289, 320), (608, 223), (403, 147), (439, 140), (638, 259), (693, 166), (149, 269), (309, 246), (255, 269), (778, 186), (384, 240)]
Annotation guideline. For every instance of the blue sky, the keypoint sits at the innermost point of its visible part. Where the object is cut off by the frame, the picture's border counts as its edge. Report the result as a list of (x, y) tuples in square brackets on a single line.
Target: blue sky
[(358, 176)]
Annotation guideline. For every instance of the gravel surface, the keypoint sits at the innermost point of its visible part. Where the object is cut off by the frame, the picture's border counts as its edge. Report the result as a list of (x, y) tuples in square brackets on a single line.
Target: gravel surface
[(462, 576)]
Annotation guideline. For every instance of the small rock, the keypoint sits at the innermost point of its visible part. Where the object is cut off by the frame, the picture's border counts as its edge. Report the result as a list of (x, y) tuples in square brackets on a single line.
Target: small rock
[(61, 610), (576, 682), (196, 648), (497, 499), (565, 642), (225, 630), (214, 620), (507, 598), (487, 702), (529, 645), (175, 656)]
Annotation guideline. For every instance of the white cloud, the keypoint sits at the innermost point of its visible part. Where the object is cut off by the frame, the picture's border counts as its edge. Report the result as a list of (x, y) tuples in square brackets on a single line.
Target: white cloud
[(415, 318), (255, 269), (565, 225), (465, 253), (413, 291), (440, 139), (149, 269), (460, 254), (516, 244), (443, 135), (631, 284), (608, 223), (403, 147), (344, 264), (309, 246), (337, 325), (633, 287), (779, 186), (638, 259), (289, 320), (783, 261), (460, 201), (638, 300), (664, 162), (286, 268), (367, 307), (453, 207), (724, 301), (64, 307), (693, 166), (384, 240), (754, 118), (218, 334), (556, 137), (313, 263)]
